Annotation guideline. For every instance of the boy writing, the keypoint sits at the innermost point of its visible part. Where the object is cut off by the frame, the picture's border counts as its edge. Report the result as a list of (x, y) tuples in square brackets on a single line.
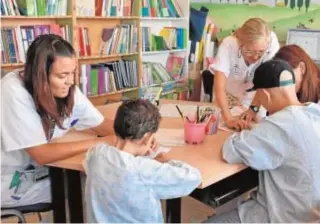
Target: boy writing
[(123, 185)]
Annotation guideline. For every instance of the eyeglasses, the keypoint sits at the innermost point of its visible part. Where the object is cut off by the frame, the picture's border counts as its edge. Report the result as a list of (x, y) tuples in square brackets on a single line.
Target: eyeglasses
[(251, 53)]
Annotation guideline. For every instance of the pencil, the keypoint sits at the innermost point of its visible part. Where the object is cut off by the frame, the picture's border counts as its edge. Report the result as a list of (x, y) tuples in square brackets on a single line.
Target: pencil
[(198, 114), (181, 114)]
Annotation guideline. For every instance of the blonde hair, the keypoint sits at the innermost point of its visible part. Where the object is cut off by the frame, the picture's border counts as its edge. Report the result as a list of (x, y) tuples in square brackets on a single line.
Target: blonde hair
[(252, 30)]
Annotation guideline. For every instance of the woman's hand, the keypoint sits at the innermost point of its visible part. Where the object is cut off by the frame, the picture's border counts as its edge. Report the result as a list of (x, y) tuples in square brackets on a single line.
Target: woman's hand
[(237, 124), (249, 116)]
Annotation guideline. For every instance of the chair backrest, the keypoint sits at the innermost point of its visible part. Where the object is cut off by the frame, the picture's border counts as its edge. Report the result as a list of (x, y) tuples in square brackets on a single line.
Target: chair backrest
[(8, 213), (20, 210), (208, 80)]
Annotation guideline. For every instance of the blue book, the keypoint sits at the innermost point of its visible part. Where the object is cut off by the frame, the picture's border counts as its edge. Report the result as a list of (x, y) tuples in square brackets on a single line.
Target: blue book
[(12, 51)]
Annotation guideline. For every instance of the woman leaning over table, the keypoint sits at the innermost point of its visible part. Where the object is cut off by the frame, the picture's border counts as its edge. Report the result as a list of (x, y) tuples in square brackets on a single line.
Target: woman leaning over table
[(41, 103), (237, 58), (307, 75)]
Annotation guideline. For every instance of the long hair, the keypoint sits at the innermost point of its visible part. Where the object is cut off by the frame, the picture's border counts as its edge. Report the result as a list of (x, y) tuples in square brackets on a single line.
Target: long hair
[(40, 56), (310, 83), (252, 30)]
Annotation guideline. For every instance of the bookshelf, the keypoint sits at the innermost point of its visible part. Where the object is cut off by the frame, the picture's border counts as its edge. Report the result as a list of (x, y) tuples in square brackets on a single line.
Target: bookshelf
[(78, 16)]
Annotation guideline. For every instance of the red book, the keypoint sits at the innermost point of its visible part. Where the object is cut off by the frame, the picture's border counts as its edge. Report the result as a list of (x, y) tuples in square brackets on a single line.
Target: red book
[(81, 42), (87, 42), (98, 7)]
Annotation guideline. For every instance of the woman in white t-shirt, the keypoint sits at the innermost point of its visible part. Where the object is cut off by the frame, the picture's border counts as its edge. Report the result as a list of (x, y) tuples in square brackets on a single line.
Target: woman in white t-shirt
[(237, 58), (41, 103)]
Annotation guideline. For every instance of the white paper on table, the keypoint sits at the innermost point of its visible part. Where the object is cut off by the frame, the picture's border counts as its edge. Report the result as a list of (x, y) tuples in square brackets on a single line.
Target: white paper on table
[(170, 110), (170, 137), (161, 149), (235, 111)]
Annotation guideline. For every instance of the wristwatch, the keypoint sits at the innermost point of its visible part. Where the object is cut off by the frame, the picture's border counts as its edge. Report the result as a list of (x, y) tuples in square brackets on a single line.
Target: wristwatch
[(254, 108)]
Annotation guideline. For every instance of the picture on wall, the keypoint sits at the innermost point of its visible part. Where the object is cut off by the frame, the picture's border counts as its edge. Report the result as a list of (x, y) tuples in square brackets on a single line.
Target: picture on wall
[(281, 15)]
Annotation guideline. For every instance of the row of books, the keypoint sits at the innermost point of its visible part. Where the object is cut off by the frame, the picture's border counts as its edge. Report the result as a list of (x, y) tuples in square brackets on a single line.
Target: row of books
[(34, 7), (169, 38), (15, 41), (96, 79), (122, 39), (104, 7), (160, 8), (205, 48)]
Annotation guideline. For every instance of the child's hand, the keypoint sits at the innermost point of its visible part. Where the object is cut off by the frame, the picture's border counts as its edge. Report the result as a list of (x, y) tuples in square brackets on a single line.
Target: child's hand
[(162, 157)]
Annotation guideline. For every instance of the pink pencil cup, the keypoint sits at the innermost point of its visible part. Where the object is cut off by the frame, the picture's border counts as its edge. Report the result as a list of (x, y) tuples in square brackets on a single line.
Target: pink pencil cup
[(194, 133)]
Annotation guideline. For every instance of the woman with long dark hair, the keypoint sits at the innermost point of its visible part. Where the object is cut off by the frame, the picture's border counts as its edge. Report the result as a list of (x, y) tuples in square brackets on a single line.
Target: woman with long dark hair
[(40, 103)]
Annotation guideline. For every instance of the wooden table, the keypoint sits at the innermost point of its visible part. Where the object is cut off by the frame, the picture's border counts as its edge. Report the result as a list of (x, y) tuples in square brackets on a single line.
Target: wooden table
[(206, 156)]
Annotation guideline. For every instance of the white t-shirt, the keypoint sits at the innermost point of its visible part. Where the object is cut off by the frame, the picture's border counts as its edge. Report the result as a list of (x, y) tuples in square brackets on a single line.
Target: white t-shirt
[(21, 127), (239, 75)]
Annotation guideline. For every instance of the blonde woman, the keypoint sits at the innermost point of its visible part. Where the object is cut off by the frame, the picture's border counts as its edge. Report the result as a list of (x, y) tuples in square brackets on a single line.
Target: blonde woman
[(238, 57)]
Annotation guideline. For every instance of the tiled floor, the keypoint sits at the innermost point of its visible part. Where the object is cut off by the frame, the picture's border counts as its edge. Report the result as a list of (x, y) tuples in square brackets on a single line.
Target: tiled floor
[(192, 211)]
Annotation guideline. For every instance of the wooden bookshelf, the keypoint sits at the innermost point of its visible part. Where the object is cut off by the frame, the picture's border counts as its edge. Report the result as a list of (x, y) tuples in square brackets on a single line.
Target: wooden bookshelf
[(165, 18), (115, 56), (116, 92), (95, 24), (164, 52), (34, 17), (12, 65), (109, 18)]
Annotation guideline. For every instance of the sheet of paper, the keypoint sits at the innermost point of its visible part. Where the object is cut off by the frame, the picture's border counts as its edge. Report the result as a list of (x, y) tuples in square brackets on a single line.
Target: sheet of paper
[(170, 110), (170, 137), (161, 149)]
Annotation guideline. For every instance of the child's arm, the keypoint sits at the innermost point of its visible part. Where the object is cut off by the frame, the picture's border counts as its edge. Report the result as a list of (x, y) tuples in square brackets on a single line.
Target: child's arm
[(262, 148), (169, 180)]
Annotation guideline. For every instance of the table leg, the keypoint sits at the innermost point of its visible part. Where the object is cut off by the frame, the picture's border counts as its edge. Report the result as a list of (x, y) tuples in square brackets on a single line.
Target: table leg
[(75, 196), (173, 210), (58, 195)]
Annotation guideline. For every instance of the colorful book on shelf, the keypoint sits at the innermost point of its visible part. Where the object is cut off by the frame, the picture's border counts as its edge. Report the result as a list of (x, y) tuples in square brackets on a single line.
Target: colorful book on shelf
[(84, 42), (152, 94), (160, 8), (174, 66), (145, 8)]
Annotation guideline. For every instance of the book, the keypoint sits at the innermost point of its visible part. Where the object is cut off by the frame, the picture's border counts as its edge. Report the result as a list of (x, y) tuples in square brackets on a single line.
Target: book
[(152, 94), (174, 66)]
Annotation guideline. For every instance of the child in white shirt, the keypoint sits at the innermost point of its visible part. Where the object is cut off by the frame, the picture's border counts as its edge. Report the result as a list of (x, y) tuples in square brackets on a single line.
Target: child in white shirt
[(123, 185)]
